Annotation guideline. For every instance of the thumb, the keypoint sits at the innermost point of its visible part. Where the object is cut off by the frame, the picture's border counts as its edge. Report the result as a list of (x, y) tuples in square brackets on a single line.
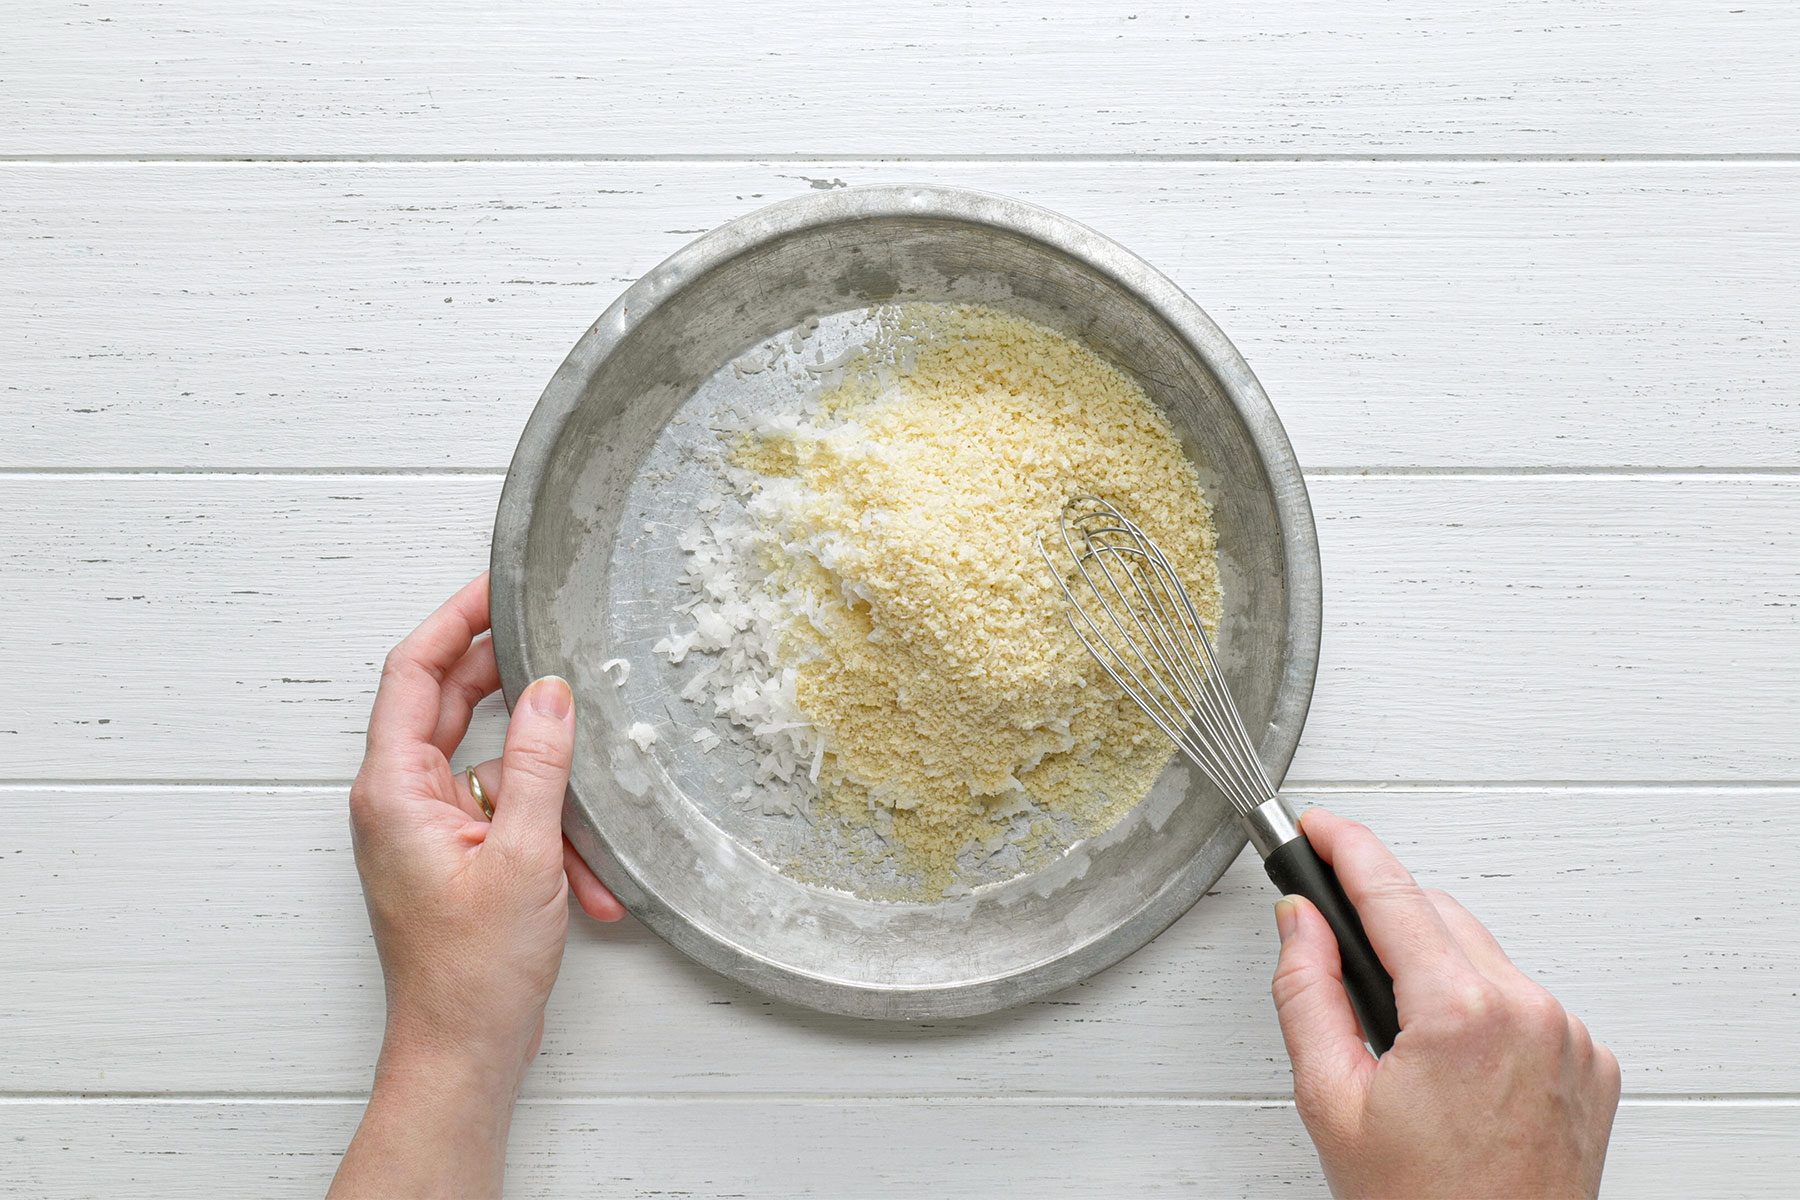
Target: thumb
[(534, 770), (1331, 1064)]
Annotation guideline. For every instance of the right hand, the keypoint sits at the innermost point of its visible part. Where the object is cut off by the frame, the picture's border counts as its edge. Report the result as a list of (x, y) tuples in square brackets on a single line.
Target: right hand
[(1491, 1089)]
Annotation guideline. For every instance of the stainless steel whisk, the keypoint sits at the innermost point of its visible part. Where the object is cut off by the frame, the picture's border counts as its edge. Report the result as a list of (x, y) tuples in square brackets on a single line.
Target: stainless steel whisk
[(1132, 612)]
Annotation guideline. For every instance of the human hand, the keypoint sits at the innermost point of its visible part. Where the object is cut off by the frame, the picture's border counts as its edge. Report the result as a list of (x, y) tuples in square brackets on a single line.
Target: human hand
[(469, 915), (1491, 1089)]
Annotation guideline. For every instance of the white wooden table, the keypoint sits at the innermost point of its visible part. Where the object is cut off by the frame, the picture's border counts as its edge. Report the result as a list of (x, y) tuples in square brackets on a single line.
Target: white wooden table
[(279, 284)]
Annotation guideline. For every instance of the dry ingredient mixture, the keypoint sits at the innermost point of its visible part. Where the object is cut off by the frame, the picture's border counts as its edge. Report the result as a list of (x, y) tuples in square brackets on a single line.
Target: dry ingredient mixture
[(873, 617)]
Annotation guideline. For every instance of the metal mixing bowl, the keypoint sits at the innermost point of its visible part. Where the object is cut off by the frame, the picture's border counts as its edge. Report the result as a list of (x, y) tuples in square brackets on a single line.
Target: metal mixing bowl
[(584, 564)]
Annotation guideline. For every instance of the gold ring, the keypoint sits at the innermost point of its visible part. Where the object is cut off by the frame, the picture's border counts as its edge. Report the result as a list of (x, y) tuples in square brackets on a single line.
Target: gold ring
[(480, 794)]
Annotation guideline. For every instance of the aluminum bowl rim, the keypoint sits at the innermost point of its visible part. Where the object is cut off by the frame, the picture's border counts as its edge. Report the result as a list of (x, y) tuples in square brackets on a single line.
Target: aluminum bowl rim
[(786, 218)]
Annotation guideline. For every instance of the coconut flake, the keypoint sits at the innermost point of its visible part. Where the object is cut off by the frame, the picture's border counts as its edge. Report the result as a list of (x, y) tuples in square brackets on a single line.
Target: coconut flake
[(675, 647), (738, 614)]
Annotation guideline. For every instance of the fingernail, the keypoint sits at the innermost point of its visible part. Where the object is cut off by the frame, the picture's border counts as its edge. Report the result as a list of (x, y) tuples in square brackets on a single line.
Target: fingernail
[(551, 697), (1287, 917)]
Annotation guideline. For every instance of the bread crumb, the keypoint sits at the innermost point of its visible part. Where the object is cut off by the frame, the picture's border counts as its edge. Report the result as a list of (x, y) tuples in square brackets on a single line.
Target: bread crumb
[(917, 631)]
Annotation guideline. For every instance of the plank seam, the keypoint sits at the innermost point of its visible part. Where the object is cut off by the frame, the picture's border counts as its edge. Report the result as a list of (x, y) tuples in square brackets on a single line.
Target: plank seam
[(961, 1099), (1542, 472), (839, 157), (1741, 473), (1295, 788)]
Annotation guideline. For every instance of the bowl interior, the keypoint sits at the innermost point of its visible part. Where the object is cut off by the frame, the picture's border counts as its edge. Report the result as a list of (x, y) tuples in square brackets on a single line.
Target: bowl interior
[(592, 582)]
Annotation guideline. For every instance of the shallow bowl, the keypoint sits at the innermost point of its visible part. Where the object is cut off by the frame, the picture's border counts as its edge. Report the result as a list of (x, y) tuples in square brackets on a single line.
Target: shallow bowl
[(585, 566)]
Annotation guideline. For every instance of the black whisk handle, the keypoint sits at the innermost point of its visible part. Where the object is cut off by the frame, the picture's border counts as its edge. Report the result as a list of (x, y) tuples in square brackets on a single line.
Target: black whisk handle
[(1296, 868)]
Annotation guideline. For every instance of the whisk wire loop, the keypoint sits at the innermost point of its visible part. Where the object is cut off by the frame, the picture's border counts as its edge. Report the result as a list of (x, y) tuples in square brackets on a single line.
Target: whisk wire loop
[(1132, 608), (1173, 658), (1169, 602)]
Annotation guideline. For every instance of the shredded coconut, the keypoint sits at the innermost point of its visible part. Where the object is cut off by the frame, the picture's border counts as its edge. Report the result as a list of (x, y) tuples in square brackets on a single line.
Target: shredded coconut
[(736, 616)]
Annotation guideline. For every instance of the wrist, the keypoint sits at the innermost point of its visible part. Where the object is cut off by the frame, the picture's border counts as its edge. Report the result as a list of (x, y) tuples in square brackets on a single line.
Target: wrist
[(452, 1105), (470, 1072), (436, 1123)]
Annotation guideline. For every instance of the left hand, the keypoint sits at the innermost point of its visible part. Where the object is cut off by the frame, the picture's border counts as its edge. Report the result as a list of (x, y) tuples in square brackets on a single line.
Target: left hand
[(469, 915)]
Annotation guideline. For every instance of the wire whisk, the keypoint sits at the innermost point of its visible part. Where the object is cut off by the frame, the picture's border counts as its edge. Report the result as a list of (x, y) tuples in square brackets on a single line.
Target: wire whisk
[(1143, 630), (1128, 606)]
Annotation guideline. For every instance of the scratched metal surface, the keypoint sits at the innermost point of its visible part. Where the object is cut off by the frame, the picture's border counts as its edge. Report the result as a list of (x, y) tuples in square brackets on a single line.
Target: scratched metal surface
[(618, 459)]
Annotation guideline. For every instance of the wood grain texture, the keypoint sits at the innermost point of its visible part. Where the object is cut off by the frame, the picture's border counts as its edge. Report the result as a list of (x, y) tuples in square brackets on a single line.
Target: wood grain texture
[(195, 956), (1051, 77), (841, 1150), (408, 314), (1478, 628), (213, 940)]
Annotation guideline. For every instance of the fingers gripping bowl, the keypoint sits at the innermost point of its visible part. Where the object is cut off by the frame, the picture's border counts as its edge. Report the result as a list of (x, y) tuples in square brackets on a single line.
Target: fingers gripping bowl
[(586, 563)]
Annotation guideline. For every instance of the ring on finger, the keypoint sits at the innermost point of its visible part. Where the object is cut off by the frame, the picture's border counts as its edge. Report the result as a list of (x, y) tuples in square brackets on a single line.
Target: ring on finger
[(480, 794)]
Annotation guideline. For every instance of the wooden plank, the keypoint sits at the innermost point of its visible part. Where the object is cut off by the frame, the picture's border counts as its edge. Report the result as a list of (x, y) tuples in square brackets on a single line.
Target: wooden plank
[(1556, 628), (214, 941), (1050, 77), (845, 1150), (229, 627), (407, 314)]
